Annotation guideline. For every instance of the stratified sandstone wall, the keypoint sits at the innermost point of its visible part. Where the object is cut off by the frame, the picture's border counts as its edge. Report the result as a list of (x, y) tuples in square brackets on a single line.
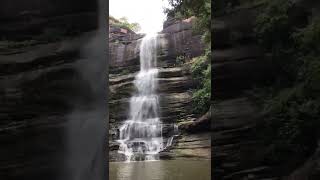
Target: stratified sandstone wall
[(43, 81), (239, 65), (175, 83), (24, 19)]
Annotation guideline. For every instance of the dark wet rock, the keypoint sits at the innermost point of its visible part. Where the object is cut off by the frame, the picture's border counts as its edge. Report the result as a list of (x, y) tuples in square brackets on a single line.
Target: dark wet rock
[(34, 17), (196, 146), (115, 156), (253, 173), (198, 125), (166, 155), (309, 170), (33, 110), (114, 146), (41, 83), (38, 88), (239, 65)]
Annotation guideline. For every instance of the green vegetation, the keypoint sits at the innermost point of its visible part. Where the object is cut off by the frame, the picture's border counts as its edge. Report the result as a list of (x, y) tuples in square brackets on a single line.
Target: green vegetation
[(221, 7), (123, 23), (200, 66), (292, 107), (201, 72), (181, 59)]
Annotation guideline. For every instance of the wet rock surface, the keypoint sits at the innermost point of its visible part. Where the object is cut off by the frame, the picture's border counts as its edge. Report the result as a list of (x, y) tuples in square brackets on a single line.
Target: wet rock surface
[(187, 146)]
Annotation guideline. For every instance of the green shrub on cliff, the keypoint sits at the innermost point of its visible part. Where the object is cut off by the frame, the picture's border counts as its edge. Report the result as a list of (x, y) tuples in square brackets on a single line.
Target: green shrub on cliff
[(181, 59), (202, 95), (201, 9), (291, 123), (308, 38), (292, 114), (123, 23), (222, 6), (201, 73), (198, 65), (273, 26)]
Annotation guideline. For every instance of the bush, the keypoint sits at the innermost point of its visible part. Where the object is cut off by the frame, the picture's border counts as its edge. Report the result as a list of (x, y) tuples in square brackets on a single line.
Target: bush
[(308, 38), (198, 65), (180, 59), (291, 123), (123, 23), (292, 112), (273, 24), (202, 96), (201, 73)]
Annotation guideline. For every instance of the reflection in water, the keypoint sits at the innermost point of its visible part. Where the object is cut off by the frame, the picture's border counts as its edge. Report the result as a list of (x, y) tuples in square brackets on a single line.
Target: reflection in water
[(161, 170)]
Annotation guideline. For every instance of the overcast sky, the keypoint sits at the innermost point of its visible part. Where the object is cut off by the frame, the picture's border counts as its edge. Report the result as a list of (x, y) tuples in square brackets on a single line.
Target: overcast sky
[(148, 13)]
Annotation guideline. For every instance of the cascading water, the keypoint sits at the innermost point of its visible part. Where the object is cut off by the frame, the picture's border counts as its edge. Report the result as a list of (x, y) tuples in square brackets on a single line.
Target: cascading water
[(141, 135)]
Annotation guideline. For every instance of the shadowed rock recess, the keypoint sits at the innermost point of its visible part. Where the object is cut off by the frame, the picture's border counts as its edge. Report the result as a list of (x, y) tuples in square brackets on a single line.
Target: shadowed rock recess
[(46, 74), (240, 65), (174, 85)]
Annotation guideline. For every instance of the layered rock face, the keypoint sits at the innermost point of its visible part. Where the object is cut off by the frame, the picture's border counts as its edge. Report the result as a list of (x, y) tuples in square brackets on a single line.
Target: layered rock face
[(43, 82), (239, 65), (174, 84), (27, 19)]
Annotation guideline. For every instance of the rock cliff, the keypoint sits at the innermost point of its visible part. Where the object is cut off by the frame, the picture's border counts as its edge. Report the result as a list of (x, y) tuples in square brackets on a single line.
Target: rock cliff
[(240, 65), (26, 20), (46, 62), (175, 83)]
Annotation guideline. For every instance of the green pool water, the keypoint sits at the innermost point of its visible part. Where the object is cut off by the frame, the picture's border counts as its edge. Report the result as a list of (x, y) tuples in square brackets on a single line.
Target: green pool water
[(161, 170)]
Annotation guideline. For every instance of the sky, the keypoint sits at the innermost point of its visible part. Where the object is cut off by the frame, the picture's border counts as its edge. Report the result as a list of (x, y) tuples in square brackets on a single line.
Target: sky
[(148, 13)]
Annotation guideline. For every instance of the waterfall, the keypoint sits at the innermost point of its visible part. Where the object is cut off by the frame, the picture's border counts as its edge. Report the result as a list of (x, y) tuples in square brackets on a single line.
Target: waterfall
[(169, 142), (175, 133), (141, 135)]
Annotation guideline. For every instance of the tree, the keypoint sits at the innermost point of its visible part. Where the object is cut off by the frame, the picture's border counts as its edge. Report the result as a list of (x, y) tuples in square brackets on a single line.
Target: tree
[(123, 23)]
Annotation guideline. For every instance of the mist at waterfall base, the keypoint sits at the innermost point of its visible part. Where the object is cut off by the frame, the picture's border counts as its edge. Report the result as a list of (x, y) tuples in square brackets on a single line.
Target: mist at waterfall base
[(86, 156), (141, 135)]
